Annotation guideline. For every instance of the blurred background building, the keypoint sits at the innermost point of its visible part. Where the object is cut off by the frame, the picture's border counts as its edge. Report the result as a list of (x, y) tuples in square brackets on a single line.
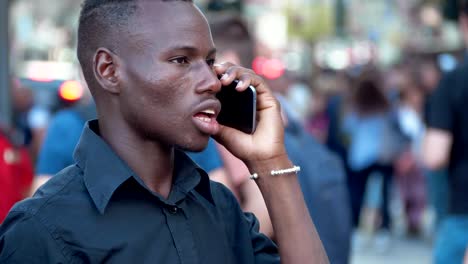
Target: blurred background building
[(320, 44), (334, 34)]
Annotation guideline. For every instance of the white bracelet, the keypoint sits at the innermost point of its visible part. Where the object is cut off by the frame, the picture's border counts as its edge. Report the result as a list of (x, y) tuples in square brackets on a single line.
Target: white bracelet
[(254, 176), (294, 169)]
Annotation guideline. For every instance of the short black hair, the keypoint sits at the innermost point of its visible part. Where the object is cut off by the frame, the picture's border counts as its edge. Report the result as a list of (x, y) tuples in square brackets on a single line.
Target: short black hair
[(99, 21)]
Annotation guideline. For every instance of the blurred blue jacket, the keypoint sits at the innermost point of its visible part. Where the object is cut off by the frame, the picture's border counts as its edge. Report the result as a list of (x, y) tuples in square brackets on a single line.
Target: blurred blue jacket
[(323, 182)]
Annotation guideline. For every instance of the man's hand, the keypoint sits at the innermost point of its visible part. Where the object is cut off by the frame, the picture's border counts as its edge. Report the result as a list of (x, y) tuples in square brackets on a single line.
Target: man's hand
[(263, 152), (436, 148), (267, 141)]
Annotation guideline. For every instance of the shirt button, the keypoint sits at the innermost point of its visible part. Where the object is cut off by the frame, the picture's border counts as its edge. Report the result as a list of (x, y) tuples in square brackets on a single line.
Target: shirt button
[(173, 209)]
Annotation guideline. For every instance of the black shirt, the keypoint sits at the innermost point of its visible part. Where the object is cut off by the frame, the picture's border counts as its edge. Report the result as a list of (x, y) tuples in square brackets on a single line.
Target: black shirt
[(448, 111), (99, 210)]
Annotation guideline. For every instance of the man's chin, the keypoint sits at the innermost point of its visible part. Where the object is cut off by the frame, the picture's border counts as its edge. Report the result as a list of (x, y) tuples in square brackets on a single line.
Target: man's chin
[(199, 147)]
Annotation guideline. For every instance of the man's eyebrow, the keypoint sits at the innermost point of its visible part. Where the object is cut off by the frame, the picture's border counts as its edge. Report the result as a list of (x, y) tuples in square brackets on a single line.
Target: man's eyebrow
[(212, 52), (191, 49)]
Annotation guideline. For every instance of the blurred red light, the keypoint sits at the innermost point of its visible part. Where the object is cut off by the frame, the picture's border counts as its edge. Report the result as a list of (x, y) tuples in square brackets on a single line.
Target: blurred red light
[(71, 91), (269, 68), (273, 69), (258, 65)]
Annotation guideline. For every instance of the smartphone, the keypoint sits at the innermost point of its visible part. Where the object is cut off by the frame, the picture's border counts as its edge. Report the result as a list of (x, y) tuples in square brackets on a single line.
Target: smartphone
[(238, 109)]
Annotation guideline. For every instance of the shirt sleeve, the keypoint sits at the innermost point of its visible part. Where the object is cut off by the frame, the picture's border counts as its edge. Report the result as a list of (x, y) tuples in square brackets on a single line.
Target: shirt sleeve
[(440, 114), (23, 239), (265, 250), (250, 245)]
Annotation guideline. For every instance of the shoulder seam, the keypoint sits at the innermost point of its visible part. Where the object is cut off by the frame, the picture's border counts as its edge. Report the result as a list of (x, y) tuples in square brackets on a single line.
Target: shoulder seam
[(34, 218), (48, 199)]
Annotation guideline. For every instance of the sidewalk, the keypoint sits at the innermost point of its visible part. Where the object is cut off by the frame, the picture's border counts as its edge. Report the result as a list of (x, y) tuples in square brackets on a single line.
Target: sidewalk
[(401, 250)]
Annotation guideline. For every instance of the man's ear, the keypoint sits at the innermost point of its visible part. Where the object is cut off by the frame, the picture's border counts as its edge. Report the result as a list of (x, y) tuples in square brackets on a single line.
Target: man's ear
[(106, 70)]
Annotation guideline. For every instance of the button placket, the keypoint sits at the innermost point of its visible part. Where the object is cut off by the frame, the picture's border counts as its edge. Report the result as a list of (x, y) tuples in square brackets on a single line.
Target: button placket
[(181, 233)]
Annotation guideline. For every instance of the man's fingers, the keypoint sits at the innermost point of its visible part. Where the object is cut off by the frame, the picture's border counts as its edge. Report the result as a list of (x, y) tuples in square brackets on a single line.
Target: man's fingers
[(230, 72), (225, 136), (246, 77)]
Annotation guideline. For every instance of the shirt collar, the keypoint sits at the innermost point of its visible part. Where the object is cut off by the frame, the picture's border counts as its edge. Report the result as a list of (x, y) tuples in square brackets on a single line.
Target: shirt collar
[(104, 171), (189, 176)]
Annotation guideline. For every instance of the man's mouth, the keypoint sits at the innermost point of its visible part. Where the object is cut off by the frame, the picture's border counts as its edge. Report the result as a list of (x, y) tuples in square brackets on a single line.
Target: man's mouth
[(206, 115), (206, 122)]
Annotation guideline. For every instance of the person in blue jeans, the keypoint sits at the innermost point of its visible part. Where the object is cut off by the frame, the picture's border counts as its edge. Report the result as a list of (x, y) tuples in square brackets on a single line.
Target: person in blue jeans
[(368, 125)]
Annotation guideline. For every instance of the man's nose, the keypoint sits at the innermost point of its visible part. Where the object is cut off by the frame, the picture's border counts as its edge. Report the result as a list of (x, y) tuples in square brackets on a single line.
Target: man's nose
[(209, 82)]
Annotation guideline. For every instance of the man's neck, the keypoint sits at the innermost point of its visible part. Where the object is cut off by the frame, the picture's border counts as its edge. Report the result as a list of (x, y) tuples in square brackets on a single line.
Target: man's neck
[(151, 161)]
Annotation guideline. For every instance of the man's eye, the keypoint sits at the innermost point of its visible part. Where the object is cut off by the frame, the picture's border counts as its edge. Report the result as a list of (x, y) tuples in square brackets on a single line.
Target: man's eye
[(179, 60), (210, 62)]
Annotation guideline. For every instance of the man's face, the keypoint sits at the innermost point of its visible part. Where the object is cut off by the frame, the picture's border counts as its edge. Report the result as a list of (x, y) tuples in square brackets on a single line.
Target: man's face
[(168, 82)]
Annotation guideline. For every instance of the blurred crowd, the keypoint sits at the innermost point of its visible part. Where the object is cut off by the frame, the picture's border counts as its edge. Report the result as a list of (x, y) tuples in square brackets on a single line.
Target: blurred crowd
[(359, 135)]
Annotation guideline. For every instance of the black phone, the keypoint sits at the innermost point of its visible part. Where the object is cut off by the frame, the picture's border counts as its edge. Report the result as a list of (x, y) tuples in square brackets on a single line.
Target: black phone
[(238, 109)]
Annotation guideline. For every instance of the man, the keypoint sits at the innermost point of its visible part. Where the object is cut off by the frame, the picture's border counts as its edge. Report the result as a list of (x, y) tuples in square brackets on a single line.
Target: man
[(133, 196), (446, 143)]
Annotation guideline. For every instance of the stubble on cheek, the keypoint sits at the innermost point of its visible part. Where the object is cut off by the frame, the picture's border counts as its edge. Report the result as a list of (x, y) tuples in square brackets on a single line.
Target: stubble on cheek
[(166, 107), (169, 94)]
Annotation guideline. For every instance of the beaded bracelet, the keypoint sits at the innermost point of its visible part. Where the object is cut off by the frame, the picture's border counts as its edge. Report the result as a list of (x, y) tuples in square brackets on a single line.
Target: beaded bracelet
[(294, 169)]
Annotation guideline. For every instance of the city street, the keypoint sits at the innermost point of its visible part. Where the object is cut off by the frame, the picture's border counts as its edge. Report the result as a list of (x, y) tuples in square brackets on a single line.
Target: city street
[(401, 250), (103, 111)]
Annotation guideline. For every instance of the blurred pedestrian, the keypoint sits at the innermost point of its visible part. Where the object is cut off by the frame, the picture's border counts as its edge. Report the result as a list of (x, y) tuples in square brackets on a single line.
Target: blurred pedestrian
[(16, 167), (372, 148), (322, 179), (318, 121), (28, 122), (446, 144), (408, 167), (22, 101), (429, 75), (133, 195), (16, 171), (61, 138)]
